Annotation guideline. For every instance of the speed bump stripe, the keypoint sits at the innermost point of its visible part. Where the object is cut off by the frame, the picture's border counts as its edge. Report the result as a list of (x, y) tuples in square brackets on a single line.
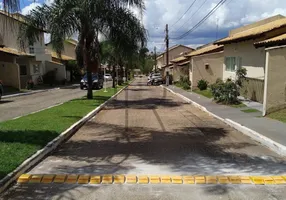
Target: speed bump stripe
[(119, 179), (211, 180), (177, 180), (155, 179), (71, 179), (36, 179), (48, 178), (223, 180), (95, 179), (24, 178), (83, 179), (166, 179), (143, 179), (152, 179), (131, 179), (107, 179), (60, 178), (189, 180)]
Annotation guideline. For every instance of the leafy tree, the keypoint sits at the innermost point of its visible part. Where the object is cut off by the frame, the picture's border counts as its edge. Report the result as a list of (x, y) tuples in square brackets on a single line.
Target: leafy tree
[(89, 18)]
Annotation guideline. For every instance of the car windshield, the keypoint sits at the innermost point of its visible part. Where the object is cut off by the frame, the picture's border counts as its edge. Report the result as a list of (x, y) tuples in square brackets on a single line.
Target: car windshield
[(94, 76)]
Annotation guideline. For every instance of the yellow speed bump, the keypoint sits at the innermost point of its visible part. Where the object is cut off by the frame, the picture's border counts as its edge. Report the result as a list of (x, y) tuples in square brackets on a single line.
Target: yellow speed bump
[(72, 179), (189, 180), (143, 179), (155, 179), (131, 179), (257, 180), (211, 180), (24, 178), (119, 179), (268, 181), (200, 179), (36, 179), (234, 179), (177, 180), (83, 179), (48, 178), (245, 180), (60, 178), (166, 179), (279, 180), (223, 180), (95, 179), (107, 179)]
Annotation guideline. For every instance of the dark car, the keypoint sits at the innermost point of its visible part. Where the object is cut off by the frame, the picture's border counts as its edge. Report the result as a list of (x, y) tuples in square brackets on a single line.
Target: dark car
[(97, 82), (1, 90)]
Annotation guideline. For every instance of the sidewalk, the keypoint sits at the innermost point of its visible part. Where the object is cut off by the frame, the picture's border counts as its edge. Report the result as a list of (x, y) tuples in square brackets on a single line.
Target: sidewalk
[(38, 91), (269, 132)]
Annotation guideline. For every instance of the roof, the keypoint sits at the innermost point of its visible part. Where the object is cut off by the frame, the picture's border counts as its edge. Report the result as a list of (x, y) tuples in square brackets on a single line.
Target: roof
[(275, 41), (63, 57), (174, 47), (254, 32), (179, 59), (184, 63), (207, 49), (72, 41), (51, 61), (14, 52)]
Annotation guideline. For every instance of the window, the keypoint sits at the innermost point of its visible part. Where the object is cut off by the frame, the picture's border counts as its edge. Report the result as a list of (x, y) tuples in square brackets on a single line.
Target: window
[(233, 63), (31, 50), (23, 70), (36, 69)]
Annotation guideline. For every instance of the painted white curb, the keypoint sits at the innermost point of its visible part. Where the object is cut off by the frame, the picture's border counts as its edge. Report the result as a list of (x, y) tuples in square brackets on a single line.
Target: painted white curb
[(265, 141), (39, 155), (37, 91)]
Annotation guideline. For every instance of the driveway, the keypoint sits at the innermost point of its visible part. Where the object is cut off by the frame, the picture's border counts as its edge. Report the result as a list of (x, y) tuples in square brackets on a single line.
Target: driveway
[(148, 130), (22, 105)]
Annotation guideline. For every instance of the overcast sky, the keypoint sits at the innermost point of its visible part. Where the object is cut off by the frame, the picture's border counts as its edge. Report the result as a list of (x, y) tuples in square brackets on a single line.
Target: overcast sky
[(158, 13)]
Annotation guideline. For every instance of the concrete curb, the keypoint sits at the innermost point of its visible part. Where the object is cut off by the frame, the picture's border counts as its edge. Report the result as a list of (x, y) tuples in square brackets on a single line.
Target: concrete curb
[(265, 141), (39, 155), (38, 91)]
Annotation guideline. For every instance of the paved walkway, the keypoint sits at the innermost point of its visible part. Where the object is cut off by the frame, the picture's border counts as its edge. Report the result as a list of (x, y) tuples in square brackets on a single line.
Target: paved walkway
[(147, 130), (272, 129)]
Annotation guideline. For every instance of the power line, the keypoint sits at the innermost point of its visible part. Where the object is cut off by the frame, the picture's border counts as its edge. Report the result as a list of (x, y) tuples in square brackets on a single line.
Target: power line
[(220, 3), (191, 16), (184, 13)]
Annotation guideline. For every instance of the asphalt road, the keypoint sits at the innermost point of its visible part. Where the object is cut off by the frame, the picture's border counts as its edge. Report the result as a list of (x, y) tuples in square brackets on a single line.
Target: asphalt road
[(148, 130), (22, 105)]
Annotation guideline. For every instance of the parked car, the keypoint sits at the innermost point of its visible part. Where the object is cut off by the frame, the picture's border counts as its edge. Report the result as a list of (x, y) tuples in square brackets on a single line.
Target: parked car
[(156, 79), (1, 89), (97, 82), (108, 77)]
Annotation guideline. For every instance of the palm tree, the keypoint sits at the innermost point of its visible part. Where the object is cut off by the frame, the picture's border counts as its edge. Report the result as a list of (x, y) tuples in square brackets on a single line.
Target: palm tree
[(11, 5), (90, 19)]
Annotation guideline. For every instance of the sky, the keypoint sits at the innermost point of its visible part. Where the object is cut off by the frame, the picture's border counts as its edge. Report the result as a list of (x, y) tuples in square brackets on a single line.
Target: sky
[(158, 13)]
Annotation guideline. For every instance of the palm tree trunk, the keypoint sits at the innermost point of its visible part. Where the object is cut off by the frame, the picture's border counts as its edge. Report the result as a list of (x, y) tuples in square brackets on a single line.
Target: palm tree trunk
[(88, 63)]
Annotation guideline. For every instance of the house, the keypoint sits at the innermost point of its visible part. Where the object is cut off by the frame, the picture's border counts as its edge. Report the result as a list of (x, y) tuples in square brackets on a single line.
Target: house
[(180, 67), (206, 63), (174, 52), (20, 64), (239, 51), (275, 73), (67, 54)]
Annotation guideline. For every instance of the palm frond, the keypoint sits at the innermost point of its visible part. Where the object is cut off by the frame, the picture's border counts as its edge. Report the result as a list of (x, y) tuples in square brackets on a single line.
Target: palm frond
[(11, 5)]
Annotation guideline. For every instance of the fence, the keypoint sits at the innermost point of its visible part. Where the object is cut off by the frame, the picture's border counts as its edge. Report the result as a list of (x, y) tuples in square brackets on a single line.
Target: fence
[(253, 89)]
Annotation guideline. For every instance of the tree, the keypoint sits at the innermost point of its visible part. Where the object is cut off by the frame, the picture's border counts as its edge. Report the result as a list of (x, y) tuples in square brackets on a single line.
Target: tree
[(89, 18)]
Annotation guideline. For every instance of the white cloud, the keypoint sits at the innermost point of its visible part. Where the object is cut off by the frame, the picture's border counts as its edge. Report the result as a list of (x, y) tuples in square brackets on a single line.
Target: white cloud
[(26, 10), (1, 6)]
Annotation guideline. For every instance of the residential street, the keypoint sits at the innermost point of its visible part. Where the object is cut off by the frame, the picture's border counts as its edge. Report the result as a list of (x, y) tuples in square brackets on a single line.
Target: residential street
[(148, 131), (22, 105)]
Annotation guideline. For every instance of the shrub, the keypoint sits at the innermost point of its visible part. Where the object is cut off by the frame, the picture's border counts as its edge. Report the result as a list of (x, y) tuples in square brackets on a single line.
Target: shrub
[(30, 84), (225, 93), (50, 77), (184, 82), (202, 84)]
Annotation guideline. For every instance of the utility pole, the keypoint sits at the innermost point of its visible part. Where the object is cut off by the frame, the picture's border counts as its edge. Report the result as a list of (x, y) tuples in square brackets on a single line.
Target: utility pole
[(167, 53), (155, 59)]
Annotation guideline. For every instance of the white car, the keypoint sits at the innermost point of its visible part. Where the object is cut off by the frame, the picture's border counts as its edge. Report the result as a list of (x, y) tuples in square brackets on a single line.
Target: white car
[(108, 77)]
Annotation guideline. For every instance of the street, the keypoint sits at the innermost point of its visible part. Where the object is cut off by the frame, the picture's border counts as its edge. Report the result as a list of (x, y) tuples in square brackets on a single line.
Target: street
[(22, 105), (148, 131)]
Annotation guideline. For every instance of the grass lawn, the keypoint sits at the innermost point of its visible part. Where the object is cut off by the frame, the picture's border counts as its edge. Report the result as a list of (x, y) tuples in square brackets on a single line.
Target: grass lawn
[(250, 110), (21, 138), (279, 115), (207, 93)]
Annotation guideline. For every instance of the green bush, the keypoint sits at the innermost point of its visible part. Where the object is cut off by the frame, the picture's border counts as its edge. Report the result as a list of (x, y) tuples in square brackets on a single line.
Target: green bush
[(225, 92), (184, 82), (50, 77), (202, 84)]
